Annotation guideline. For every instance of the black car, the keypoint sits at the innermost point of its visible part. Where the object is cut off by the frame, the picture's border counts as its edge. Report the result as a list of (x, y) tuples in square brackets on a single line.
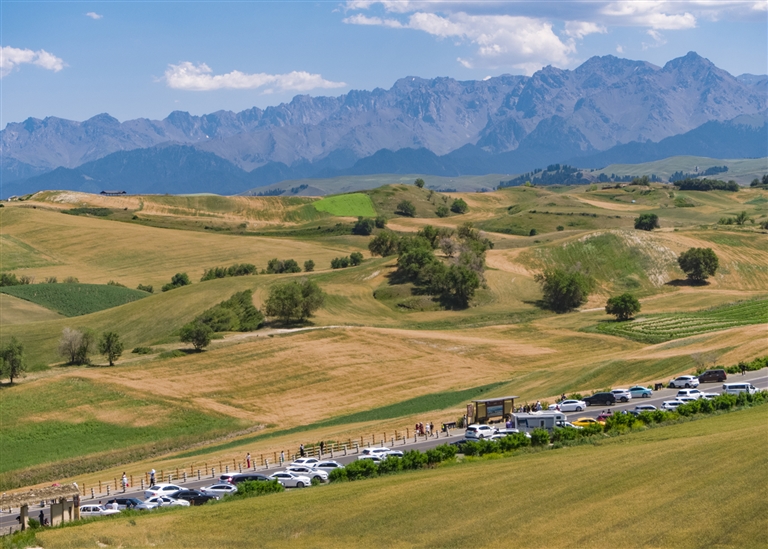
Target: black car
[(242, 477), (125, 503), (603, 399), (194, 497), (713, 375)]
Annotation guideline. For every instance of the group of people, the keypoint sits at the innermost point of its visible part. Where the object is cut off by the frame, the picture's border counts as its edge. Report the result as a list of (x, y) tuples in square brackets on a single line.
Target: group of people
[(424, 428), (527, 408)]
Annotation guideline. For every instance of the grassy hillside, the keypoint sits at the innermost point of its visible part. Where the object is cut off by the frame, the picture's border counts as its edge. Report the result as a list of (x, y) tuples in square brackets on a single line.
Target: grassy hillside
[(741, 169), (347, 205), (17, 311), (615, 493), (75, 299)]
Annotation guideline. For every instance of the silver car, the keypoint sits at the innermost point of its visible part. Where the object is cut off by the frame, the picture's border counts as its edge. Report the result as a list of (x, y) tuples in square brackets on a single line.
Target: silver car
[(310, 472)]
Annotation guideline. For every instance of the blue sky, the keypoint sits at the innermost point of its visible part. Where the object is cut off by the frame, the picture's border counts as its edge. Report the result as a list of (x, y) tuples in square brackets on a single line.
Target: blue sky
[(145, 59)]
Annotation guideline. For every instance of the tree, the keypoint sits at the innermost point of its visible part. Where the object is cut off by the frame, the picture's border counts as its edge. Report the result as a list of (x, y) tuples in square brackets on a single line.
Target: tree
[(145, 288), (564, 290), (533, 232), (406, 208), (419, 183), (12, 362), (384, 244), (340, 262), (430, 234), (461, 284), (364, 226), (624, 306), (355, 258), (309, 266), (294, 301), (442, 211), (177, 281), (742, 218), (110, 346), (76, 345), (698, 263), (459, 206), (196, 333), (380, 222), (647, 222)]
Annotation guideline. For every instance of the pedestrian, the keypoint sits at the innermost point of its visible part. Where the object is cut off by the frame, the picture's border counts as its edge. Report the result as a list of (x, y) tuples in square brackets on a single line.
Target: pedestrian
[(743, 366), (248, 460), (322, 448), (152, 477), (301, 451), (431, 427), (124, 481), (282, 456), (42, 517)]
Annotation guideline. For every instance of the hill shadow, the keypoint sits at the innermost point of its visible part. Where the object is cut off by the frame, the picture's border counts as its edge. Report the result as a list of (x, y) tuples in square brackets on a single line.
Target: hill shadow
[(681, 282)]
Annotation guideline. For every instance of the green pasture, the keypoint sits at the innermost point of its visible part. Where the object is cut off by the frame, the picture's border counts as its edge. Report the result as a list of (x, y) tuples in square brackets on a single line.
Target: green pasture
[(75, 299), (347, 205)]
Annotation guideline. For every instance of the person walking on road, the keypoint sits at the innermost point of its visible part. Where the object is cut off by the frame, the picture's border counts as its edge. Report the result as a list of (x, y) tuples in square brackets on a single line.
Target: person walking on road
[(152, 477), (124, 481), (248, 460), (301, 451), (743, 367), (41, 517), (322, 448)]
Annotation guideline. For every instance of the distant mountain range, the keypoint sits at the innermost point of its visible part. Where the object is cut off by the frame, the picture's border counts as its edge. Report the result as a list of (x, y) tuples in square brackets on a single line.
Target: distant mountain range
[(607, 110)]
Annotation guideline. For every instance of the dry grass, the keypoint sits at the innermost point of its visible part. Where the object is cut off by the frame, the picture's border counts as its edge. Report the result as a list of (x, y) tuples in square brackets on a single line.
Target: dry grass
[(17, 311), (700, 484)]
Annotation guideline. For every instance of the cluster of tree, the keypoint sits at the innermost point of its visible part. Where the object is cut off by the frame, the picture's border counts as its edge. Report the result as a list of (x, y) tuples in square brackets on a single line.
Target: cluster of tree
[(680, 176), (455, 281), (236, 314), (146, 288), (740, 219), (241, 269), (365, 225), (294, 301), (354, 259), (698, 263), (10, 279), (406, 208), (76, 345), (564, 290), (555, 174), (602, 178), (277, 266), (706, 185), (177, 281), (760, 182), (12, 363), (647, 222)]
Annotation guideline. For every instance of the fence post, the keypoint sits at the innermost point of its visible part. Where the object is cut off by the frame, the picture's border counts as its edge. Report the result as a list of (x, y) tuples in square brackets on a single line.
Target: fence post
[(206, 467), (266, 463), (185, 476), (226, 470), (107, 490), (357, 448), (241, 467), (213, 472), (198, 474), (99, 486), (93, 496)]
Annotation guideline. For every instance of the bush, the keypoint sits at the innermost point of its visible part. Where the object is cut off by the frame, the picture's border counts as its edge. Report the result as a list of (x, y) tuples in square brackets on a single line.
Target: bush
[(533, 232), (51, 280), (361, 468), (241, 269), (560, 228), (459, 206), (698, 263), (8, 279), (647, 222), (380, 222), (513, 442), (196, 333), (252, 488), (539, 437), (391, 464), (413, 459), (276, 266), (419, 183), (406, 208), (145, 288), (384, 244), (442, 211), (340, 262), (355, 258), (73, 280), (309, 266), (294, 301), (624, 306), (564, 290), (178, 280), (564, 434), (338, 475), (364, 226), (143, 350), (176, 353)]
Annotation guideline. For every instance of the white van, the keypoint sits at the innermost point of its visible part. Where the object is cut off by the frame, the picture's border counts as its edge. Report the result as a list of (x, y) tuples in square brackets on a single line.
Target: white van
[(736, 388)]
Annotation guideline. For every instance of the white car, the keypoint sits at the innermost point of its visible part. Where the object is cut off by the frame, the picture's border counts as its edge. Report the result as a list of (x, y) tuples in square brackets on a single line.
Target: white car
[(671, 405), (686, 382), (709, 396), (305, 462), (478, 432), (328, 466), (291, 480), (693, 393), (645, 408), (686, 400), (96, 511), (221, 489), (379, 451), (165, 501), (310, 472), (161, 490), (571, 405), (622, 395), (375, 459)]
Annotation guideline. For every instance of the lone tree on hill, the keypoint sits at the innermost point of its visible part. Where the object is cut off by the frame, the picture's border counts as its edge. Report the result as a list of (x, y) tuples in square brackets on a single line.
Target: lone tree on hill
[(406, 208), (647, 222), (419, 183), (76, 345), (564, 290), (110, 346), (294, 301), (196, 333), (12, 360), (624, 306), (698, 263), (309, 266), (459, 206)]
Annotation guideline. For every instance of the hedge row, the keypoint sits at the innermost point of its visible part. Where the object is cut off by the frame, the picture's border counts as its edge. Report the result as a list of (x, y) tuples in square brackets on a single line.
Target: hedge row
[(411, 460)]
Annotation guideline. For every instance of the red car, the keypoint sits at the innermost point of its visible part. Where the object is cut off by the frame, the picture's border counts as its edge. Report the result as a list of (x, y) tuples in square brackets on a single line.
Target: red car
[(604, 416)]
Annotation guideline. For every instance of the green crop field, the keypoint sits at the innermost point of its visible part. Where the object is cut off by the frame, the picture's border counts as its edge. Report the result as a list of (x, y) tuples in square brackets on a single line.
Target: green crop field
[(75, 299), (347, 205), (629, 491), (664, 327)]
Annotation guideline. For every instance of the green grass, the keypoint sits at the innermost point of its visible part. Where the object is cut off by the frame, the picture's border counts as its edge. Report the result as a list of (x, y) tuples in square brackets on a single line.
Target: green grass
[(46, 425), (17, 254), (347, 205), (75, 299), (629, 491), (667, 326)]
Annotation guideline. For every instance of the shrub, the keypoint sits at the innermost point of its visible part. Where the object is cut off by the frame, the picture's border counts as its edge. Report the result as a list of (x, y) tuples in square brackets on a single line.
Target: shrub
[(391, 464), (340, 262), (196, 333), (442, 211), (294, 301), (145, 288), (698, 263), (539, 437), (241, 269), (172, 354), (380, 222), (406, 208), (361, 468), (355, 258), (513, 442), (419, 183), (252, 488), (143, 350), (309, 266), (338, 475), (276, 266), (533, 232), (567, 433), (236, 314), (413, 459), (74, 280), (8, 279), (364, 226), (177, 281), (51, 280), (564, 290), (560, 228), (459, 206), (647, 222), (624, 306)]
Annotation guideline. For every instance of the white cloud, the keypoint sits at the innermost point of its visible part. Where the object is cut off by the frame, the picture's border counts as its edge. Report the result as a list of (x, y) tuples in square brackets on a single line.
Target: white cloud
[(619, 48), (12, 58), (502, 40), (658, 39), (653, 14), (93, 15), (187, 76), (580, 29)]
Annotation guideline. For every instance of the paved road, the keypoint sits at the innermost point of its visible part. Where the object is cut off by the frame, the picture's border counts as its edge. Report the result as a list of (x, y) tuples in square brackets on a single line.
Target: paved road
[(758, 378)]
